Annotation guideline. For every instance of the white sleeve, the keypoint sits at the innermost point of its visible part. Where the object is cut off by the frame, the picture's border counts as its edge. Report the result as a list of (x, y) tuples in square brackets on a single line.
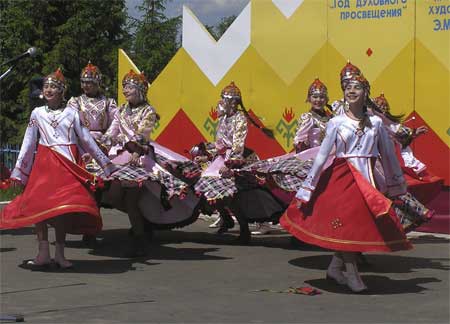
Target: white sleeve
[(25, 160), (88, 144), (310, 183), (393, 173)]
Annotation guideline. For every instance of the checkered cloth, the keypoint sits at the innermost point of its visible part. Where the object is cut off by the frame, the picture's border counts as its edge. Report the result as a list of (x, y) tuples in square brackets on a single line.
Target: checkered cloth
[(125, 173), (186, 170), (288, 174), (411, 212), (215, 188), (130, 175), (292, 165), (287, 182)]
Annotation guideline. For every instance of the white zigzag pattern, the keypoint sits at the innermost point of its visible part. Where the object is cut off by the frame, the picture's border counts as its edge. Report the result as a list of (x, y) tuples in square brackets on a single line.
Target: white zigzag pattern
[(287, 7), (215, 59)]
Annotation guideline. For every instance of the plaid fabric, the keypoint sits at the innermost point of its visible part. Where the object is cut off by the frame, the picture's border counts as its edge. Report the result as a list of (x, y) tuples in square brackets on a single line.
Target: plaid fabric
[(126, 173), (287, 182), (186, 170), (290, 165), (288, 174), (411, 212), (130, 175), (215, 188)]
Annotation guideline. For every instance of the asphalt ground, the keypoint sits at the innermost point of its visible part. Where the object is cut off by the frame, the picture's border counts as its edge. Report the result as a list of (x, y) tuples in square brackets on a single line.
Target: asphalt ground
[(192, 275)]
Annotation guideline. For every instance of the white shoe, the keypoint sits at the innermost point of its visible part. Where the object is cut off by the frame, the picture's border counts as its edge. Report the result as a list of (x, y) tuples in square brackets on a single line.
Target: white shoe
[(354, 280), (334, 271), (262, 229), (216, 224)]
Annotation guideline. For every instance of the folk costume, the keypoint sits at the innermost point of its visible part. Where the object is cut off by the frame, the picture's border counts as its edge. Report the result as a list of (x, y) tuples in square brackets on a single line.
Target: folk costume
[(229, 153), (421, 183), (96, 113), (49, 165), (342, 208), (164, 198), (287, 172), (411, 212)]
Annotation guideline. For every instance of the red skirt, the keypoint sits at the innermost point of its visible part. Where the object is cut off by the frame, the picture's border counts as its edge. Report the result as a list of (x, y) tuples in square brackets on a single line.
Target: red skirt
[(346, 213), (425, 187), (57, 187)]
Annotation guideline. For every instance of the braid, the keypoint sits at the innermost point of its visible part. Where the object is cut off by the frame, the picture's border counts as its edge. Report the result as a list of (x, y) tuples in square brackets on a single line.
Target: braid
[(268, 132), (387, 114), (365, 122)]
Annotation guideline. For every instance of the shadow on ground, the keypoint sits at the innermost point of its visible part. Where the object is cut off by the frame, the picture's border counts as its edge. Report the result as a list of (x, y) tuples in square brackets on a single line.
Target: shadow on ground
[(378, 285), (380, 263)]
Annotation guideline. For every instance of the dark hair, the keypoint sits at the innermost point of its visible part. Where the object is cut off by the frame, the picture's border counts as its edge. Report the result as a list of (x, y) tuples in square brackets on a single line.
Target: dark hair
[(393, 118), (267, 131), (365, 121)]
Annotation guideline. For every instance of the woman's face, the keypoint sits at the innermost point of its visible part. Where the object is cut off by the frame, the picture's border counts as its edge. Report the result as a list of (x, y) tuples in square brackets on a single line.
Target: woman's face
[(354, 93), (52, 93), (317, 101), (131, 94), (90, 88), (220, 108), (229, 104)]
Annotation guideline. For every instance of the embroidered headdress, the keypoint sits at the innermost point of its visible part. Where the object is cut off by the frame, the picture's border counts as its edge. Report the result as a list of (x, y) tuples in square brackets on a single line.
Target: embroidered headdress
[(56, 78), (347, 72), (382, 103), (231, 91), (91, 73), (138, 80), (356, 78), (318, 88)]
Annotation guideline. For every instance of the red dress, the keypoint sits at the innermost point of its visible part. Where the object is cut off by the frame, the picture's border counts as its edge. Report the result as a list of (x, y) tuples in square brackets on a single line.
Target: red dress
[(342, 210), (55, 183)]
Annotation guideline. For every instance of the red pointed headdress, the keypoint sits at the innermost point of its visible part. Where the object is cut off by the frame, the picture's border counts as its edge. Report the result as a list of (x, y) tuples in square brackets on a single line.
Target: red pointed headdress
[(91, 73), (138, 80)]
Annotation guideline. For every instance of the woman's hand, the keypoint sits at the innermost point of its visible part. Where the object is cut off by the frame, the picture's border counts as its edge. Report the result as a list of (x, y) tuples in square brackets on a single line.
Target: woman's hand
[(134, 160), (225, 172), (420, 130), (201, 159), (110, 169), (298, 203), (86, 157)]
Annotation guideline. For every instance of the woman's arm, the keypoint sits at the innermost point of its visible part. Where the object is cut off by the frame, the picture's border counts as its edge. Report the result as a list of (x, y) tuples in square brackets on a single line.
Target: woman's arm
[(88, 144), (305, 123), (25, 160), (393, 173), (310, 183), (240, 131)]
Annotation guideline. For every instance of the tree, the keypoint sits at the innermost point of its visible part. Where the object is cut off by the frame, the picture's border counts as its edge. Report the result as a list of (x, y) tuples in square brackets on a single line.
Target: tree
[(155, 38), (219, 29), (68, 34)]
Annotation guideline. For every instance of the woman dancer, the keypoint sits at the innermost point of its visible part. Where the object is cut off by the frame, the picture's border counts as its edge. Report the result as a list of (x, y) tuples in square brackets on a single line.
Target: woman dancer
[(57, 189), (128, 140), (340, 208), (219, 185), (96, 113), (421, 184)]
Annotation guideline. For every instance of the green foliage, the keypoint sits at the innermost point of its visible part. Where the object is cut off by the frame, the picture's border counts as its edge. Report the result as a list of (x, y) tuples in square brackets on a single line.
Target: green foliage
[(67, 34), (218, 30), (155, 38)]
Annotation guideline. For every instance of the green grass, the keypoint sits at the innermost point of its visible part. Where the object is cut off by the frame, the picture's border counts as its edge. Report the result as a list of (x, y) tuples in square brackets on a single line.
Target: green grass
[(10, 193)]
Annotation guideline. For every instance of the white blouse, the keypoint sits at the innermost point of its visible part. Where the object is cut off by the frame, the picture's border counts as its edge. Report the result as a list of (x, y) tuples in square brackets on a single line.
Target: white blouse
[(56, 129), (358, 146)]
